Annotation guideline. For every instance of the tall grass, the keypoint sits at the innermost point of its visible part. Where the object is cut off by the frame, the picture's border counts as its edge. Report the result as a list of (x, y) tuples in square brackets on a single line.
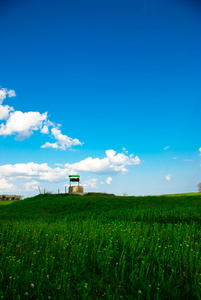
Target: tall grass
[(101, 247)]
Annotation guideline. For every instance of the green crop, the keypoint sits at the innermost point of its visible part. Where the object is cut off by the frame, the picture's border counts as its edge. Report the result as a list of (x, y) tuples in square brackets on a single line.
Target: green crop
[(101, 246)]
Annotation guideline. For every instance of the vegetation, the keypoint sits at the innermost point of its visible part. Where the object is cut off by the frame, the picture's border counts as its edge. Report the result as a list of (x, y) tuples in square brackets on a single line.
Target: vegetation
[(199, 187), (101, 246), (5, 202)]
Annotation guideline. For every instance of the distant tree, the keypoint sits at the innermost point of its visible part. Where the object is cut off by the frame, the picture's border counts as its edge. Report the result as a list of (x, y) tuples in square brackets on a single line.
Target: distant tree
[(199, 187)]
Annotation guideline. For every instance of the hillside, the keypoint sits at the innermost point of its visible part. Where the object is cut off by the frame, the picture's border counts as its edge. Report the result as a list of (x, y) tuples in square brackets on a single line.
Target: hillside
[(100, 246), (105, 205)]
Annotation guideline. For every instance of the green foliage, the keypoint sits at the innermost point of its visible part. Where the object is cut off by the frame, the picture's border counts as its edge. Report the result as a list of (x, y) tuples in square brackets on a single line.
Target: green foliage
[(101, 246), (4, 202)]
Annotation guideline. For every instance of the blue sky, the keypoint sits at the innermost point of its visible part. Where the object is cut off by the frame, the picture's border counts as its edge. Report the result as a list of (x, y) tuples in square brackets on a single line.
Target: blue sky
[(106, 89)]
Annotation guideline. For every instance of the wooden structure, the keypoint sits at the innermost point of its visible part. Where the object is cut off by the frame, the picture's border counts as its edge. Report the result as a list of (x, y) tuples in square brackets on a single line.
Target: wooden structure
[(74, 178), (10, 197), (78, 189)]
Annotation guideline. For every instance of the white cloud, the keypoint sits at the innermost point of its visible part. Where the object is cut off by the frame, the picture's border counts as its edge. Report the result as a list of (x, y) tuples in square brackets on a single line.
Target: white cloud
[(33, 173), (167, 147), (23, 124), (200, 151), (50, 145), (5, 186), (63, 141), (11, 93), (174, 157), (53, 175), (168, 177), (4, 92), (32, 185), (41, 172), (91, 183), (109, 180), (29, 169), (45, 129), (112, 163), (124, 149), (4, 111), (94, 165)]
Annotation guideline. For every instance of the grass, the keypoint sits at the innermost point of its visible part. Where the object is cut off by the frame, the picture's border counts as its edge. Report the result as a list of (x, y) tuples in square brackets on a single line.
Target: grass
[(5, 202), (101, 246)]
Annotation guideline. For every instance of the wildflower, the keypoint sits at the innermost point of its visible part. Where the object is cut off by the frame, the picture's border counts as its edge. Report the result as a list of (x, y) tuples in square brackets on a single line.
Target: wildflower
[(139, 292), (26, 294), (59, 287), (32, 285), (86, 284)]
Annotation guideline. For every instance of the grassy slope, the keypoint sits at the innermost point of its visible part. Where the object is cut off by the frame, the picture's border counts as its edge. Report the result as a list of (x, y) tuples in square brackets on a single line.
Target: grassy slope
[(101, 246), (64, 205), (6, 202)]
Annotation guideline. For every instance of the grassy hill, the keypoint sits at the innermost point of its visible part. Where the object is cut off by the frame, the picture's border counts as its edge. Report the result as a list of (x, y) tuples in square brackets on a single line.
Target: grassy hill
[(53, 207), (101, 246)]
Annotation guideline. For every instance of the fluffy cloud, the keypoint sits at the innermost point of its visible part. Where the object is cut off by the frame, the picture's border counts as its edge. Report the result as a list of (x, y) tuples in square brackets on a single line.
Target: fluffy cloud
[(50, 145), (109, 180), (200, 151), (4, 92), (5, 186), (124, 149), (112, 163), (45, 129), (32, 185), (23, 124), (32, 170), (168, 177), (4, 111), (29, 169), (91, 183), (63, 141)]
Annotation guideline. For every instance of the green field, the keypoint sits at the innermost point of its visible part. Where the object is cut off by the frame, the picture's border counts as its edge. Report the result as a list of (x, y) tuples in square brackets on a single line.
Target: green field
[(5, 202), (100, 246)]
